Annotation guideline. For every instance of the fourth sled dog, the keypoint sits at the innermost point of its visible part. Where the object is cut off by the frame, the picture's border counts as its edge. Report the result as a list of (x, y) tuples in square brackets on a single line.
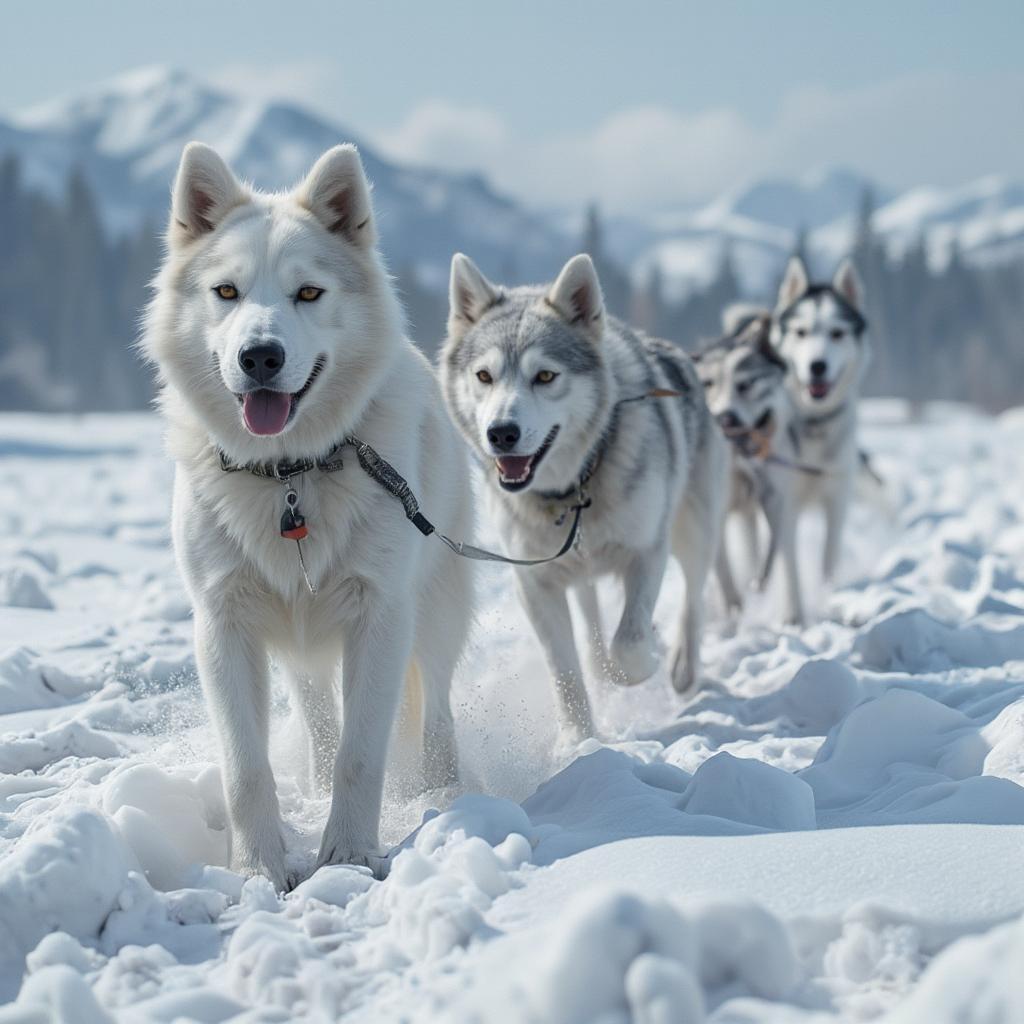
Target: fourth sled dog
[(561, 404), (277, 337)]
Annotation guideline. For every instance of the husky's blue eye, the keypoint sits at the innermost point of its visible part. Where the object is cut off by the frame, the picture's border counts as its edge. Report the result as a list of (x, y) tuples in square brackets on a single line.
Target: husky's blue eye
[(308, 293), (228, 292), (545, 377)]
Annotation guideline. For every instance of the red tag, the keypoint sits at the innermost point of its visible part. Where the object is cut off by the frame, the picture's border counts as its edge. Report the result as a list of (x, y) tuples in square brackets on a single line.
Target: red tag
[(297, 533)]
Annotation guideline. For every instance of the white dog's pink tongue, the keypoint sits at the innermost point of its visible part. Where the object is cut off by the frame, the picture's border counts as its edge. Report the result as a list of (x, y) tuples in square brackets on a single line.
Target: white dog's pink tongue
[(514, 467), (266, 412)]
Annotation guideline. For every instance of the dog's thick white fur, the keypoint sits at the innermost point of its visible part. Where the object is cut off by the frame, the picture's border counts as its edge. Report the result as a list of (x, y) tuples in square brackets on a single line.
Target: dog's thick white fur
[(396, 603), (549, 391)]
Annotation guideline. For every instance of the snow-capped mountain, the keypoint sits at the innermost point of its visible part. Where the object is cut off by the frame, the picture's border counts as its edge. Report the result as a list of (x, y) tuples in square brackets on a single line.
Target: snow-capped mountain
[(758, 226), (127, 134)]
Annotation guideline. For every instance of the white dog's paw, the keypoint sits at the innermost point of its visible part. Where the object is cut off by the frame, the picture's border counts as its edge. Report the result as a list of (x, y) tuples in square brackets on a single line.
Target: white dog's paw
[(264, 858), (633, 660), (376, 859)]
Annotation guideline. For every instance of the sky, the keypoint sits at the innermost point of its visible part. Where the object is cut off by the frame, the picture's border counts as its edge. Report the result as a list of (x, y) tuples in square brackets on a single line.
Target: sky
[(646, 103)]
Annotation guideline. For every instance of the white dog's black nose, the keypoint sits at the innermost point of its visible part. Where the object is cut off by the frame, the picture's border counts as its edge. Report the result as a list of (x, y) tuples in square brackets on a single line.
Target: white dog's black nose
[(728, 420), (819, 368), (261, 362), (503, 436)]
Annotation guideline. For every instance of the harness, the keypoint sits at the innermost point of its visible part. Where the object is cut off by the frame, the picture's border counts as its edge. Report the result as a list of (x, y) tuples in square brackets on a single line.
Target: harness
[(293, 523), (756, 443)]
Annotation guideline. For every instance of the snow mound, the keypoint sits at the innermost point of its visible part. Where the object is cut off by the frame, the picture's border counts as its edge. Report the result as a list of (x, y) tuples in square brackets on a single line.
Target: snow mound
[(64, 875), (20, 588)]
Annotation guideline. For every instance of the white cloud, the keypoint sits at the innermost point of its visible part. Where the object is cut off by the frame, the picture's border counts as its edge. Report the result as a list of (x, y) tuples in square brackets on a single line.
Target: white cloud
[(938, 128)]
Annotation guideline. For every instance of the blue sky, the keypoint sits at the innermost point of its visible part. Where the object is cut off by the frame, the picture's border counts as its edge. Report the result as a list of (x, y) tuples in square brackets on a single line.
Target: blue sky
[(642, 102)]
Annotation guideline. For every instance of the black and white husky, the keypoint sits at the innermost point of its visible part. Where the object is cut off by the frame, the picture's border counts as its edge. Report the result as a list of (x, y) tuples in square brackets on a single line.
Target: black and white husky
[(820, 330), (552, 395), (744, 385)]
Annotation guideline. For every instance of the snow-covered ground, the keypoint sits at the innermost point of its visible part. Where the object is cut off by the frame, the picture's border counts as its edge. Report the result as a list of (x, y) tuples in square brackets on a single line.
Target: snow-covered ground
[(832, 829)]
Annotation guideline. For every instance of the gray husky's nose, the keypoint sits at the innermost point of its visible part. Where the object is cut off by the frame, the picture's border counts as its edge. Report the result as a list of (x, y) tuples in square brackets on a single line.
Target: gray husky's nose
[(819, 368), (503, 436), (729, 420), (261, 362)]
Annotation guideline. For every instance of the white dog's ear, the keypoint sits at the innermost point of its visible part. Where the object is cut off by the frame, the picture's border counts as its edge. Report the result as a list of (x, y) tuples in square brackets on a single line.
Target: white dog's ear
[(470, 294), (847, 283), (337, 193), (577, 296), (205, 190), (794, 282)]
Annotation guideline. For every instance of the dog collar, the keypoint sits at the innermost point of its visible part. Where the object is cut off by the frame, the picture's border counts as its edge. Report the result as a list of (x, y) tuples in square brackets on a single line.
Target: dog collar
[(285, 469)]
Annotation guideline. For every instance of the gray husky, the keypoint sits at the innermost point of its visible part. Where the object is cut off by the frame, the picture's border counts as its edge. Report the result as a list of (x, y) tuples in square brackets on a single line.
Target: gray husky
[(563, 405), (744, 385), (821, 332)]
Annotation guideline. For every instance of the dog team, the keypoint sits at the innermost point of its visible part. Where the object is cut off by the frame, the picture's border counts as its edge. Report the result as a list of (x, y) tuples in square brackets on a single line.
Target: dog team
[(323, 498)]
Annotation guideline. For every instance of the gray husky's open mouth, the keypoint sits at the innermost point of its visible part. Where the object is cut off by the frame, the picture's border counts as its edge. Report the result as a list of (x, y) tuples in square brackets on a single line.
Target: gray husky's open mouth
[(819, 389), (267, 412), (516, 471)]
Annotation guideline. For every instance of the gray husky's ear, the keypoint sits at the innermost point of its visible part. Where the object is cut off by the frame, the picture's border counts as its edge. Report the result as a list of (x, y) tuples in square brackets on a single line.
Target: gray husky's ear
[(204, 192), (794, 282), (847, 283), (470, 294), (577, 296), (337, 193)]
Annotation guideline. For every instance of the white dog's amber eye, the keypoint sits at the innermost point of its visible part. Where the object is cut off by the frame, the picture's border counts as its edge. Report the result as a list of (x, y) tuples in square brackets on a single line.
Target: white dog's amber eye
[(484, 377), (545, 377), (309, 293), (227, 291)]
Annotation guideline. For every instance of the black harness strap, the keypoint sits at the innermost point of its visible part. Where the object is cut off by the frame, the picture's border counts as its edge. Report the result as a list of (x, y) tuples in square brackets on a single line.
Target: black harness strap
[(381, 471)]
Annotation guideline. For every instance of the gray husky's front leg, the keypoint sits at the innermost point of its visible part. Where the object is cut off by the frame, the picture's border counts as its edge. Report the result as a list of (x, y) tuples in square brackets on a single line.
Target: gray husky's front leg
[(377, 652), (586, 598), (233, 672), (548, 609), (633, 650)]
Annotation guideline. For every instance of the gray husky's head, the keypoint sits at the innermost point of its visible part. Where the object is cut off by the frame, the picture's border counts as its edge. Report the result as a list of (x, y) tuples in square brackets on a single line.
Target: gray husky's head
[(819, 329), (272, 316), (742, 374), (524, 373)]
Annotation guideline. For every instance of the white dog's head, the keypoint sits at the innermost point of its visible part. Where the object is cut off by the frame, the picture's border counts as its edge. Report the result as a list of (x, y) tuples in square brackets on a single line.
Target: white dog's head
[(819, 329), (273, 317)]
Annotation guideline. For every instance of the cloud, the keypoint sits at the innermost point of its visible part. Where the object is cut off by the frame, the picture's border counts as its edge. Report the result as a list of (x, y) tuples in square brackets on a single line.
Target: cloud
[(939, 128)]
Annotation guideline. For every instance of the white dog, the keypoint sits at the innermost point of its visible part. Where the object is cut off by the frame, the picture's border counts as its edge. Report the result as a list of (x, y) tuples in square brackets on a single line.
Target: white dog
[(277, 336)]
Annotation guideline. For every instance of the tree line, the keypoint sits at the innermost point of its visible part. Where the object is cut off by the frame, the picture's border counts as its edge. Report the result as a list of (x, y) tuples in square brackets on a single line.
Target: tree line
[(71, 295)]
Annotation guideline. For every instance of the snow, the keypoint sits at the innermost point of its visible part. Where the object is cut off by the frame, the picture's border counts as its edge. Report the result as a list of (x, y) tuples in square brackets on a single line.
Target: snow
[(832, 829)]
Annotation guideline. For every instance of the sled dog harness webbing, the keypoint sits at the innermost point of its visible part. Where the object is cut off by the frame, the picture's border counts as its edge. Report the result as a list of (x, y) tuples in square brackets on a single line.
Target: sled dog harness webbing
[(293, 523)]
